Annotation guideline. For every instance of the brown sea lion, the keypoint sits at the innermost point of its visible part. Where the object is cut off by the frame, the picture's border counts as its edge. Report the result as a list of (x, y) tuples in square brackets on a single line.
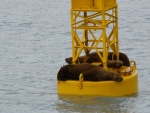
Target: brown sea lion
[(90, 73), (93, 57)]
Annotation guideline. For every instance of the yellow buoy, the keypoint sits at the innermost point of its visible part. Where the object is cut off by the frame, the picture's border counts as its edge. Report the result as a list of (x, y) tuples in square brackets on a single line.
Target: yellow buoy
[(94, 28), (127, 87)]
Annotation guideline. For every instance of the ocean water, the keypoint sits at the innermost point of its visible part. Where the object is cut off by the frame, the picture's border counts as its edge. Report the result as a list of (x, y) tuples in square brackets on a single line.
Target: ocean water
[(35, 39)]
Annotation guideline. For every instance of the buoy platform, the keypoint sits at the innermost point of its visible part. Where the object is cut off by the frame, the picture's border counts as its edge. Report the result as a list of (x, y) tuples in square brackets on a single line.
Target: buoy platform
[(94, 28), (129, 85)]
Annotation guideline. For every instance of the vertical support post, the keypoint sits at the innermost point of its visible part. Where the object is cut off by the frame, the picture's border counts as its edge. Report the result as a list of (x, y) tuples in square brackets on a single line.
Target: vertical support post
[(117, 39), (104, 38), (86, 39), (72, 32)]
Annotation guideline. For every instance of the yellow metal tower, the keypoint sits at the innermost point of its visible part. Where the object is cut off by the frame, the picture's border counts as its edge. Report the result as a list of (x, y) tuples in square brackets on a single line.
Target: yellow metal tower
[(94, 27)]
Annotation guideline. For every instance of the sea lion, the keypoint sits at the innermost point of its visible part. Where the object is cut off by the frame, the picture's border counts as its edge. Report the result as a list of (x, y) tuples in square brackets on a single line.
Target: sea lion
[(90, 73)]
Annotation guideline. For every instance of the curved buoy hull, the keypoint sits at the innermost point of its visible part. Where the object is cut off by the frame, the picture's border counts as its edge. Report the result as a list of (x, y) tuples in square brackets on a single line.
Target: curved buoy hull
[(128, 86)]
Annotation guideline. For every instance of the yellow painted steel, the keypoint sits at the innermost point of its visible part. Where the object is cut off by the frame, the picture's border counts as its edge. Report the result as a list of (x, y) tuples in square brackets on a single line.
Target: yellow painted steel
[(92, 4), (127, 87), (105, 88), (94, 28)]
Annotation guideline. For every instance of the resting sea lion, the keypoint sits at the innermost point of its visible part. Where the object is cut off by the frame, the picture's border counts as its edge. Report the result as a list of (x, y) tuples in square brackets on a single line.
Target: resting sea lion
[(111, 62), (90, 73)]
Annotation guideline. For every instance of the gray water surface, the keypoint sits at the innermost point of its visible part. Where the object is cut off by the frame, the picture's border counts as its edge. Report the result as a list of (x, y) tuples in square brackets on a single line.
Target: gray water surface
[(35, 39)]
